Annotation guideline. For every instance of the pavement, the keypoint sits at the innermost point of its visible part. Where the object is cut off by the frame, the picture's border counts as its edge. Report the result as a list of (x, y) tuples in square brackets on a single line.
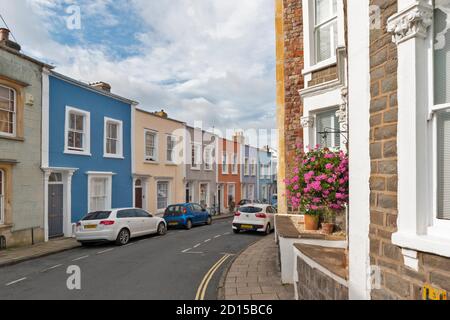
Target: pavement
[(182, 265), (17, 255), (255, 275)]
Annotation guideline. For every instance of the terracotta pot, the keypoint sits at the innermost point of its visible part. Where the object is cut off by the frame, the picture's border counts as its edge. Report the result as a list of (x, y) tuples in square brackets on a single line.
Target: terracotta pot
[(311, 223), (327, 228)]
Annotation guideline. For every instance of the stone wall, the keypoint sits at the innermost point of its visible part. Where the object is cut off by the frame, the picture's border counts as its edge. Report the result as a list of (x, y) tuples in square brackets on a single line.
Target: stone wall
[(397, 281), (27, 196), (315, 285)]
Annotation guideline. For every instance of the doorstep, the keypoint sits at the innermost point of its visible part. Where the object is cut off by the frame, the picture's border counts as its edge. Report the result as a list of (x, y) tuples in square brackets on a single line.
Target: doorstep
[(16, 255)]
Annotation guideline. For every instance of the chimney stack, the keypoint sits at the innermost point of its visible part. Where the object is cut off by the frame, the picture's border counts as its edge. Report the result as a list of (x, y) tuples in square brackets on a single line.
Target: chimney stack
[(103, 86), (162, 114), (4, 40)]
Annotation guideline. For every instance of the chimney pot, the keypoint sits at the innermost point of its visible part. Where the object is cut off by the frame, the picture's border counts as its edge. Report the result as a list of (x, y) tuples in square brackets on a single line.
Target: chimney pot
[(103, 86), (4, 34), (4, 40), (162, 114)]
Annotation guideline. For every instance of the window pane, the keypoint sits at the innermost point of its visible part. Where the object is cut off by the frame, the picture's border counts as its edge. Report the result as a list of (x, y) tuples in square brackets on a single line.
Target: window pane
[(326, 41), (442, 52), (150, 150), (163, 194), (443, 165), (79, 122), (325, 9), (327, 125)]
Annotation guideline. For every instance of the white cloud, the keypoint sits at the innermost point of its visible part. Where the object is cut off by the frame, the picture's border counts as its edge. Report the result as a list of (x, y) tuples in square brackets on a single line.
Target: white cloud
[(200, 60)]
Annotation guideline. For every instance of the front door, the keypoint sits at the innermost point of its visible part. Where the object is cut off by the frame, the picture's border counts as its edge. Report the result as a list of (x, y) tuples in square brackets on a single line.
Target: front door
[(55, 210)]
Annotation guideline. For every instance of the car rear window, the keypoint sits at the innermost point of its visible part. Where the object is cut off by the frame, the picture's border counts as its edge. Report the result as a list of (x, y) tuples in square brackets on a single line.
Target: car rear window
[(250, 210), (174, 211), (99, 215)]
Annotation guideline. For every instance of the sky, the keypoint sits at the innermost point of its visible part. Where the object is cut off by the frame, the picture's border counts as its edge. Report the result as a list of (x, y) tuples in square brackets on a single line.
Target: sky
[(199, 60)]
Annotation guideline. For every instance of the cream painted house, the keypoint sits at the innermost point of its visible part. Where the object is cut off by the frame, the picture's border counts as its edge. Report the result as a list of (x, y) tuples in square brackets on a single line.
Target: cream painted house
[(159, 171)]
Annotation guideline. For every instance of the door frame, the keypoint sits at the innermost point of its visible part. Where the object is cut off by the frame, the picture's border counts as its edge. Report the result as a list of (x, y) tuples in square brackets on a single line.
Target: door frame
[(208, 197), (67, 174), (58, 183), (144, 180)]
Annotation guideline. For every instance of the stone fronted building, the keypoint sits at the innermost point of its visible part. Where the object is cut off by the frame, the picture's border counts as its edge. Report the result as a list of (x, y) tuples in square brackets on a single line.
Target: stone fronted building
[(21, 177), (396, 87)]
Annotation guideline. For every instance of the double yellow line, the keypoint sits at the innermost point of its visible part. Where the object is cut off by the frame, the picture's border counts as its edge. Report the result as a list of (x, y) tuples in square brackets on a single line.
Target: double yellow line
[(201, 292)]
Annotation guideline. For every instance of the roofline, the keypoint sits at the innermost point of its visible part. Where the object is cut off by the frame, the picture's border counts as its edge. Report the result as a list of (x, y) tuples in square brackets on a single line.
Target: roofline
[(88, 87), (26, 57), (159, 117)]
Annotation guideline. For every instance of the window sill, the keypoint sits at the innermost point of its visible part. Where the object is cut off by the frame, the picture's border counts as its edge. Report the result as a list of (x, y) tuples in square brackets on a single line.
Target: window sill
[(195, 169), (171, 164), (112, 156), (78, 153), (423, 243), (319, 66), (152, 162), (12, 138)]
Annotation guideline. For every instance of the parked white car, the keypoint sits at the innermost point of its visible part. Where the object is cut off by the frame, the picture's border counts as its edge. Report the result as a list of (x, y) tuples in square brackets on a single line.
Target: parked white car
[(254, 217), (118, 225)]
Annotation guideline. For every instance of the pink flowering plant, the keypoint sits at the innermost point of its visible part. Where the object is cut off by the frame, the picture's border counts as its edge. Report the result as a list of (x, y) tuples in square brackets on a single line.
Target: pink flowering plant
[(320, 182)]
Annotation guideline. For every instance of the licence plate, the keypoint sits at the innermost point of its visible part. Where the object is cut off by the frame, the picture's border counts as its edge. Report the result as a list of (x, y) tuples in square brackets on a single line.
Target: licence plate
[(173, 223), (246, 226), (90, 226)]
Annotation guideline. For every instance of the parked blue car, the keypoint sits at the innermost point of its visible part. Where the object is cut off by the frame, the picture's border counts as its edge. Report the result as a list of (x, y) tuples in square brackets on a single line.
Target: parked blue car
[(187, 215)]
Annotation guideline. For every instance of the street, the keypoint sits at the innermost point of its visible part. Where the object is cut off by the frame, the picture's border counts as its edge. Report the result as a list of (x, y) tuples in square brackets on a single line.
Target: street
[(182, 265)]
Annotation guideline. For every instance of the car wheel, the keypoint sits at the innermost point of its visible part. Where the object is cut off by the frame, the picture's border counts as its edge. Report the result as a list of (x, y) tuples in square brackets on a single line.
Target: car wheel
[(123, 238), (268, 229), (236, 231), (189, 225), (162, 230), (209, 221)]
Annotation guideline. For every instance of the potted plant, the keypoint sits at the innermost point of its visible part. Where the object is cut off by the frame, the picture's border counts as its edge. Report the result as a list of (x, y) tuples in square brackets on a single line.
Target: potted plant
[(328, 221), (319, 185)]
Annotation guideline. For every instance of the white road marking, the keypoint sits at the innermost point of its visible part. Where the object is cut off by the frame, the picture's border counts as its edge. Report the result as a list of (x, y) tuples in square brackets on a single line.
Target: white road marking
[(130, 244), (16, 281), (51, 268), (207, 240), (197, 245), (226, 234), (185, 251), (80, 258), (217, 236), (105, 251), (193, 252)]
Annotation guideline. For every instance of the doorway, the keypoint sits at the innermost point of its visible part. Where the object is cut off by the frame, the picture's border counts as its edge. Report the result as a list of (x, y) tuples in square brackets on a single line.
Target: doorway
[(55, 206), (138, 194)]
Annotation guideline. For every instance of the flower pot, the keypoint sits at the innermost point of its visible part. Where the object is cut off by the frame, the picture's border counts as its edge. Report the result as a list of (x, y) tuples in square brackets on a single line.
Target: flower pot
[(327, 228), (311, 223)]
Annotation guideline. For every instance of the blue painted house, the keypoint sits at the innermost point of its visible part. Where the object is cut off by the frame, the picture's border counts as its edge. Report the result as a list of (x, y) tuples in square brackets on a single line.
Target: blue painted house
[(87, 151), (266, 183)]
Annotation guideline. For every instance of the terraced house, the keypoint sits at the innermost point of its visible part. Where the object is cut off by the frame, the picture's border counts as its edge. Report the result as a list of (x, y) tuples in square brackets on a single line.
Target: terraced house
[(159, 167), (21, 178), (266, 183), (249, 168), (201, 169), (387, 70), (86, 152)]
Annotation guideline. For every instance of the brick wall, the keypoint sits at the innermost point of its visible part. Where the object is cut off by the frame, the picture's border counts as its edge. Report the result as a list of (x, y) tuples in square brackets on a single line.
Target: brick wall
[(315, 285), (398, 282), (322, 76), (293, 66)]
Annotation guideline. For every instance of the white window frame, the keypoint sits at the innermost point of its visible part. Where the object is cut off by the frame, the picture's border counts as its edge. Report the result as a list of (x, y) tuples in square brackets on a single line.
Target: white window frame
[(231, 185), (196, 156), (309, 37), (418, 228), (86, 150), (246, 167), (160, 210), (224, 163), (316, 26), (209, 159), (13, 134), (333, 135), (234, 166), (101, 175), (174, 141), (119, 123), (254, 168), (2, 196), (155, 158)]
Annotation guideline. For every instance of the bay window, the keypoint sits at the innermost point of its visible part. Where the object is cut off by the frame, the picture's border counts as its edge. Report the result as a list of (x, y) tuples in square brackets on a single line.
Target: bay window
[(325, 29), (7, 111)]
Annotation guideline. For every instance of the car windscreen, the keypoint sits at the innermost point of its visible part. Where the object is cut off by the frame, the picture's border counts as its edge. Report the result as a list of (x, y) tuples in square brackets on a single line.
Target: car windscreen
[(98, 215), (250, 210), (174, 211)]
